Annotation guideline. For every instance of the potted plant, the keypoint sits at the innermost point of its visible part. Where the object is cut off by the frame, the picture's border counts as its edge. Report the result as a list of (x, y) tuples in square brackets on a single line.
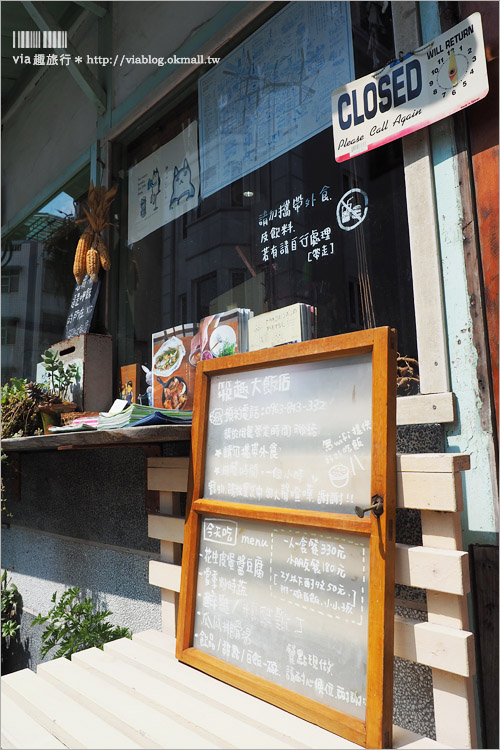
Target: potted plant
[(20, 415), (51, 398)]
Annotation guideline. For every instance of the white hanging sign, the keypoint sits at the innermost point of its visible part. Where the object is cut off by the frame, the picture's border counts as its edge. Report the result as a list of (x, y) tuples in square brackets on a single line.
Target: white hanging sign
[(438, 79), (165, 185)]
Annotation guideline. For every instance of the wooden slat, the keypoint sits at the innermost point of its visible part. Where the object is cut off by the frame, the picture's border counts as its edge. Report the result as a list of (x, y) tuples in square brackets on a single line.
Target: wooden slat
[(433, 462), (435, 569), (171, 479), (447, 609), (19, 729), (170, 462), (438, 570), (146, 725), (169, 611), (236, 703), (72, 724), (437, 490), (429, 491), (167, 528), (447, 649), (441, 529), (165, 575), (193, 708), (426, 409), (454, 709)]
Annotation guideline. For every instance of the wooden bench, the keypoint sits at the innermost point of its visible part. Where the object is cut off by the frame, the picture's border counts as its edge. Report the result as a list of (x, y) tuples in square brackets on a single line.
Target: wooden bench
[(431, 483)]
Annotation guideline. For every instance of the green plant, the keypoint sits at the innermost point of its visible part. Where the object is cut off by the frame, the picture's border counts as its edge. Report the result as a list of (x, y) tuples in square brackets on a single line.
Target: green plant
[(226, 349), (75, 624), (10, 597), (20, 416), (60, 377)]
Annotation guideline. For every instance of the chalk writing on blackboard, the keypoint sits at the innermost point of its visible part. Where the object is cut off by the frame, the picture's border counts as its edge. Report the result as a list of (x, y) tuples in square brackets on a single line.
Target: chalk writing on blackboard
[(287, 604), (82, 306), (292, 436)]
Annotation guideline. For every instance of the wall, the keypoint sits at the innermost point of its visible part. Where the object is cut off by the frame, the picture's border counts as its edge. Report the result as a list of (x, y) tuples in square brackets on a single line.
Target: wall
[(81, 521)]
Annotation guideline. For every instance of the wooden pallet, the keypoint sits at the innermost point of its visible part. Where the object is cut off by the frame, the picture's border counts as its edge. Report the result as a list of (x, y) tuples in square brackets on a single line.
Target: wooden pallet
[(136, 694)]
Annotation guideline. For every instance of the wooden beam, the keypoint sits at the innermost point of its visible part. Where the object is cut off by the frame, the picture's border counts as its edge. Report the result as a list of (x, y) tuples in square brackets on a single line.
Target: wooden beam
[(442, 570), (166, 528), (429, 491), (432, 462), (426, 409), (446, 649), (165, 575), (423, 228), (81, 73)]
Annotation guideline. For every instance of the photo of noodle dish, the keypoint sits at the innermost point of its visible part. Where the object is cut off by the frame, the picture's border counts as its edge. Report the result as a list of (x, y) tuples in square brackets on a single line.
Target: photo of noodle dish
[(168, 358)]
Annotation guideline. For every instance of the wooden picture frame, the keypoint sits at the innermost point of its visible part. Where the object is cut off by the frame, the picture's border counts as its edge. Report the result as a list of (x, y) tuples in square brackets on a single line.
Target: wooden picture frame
[(326, 359)]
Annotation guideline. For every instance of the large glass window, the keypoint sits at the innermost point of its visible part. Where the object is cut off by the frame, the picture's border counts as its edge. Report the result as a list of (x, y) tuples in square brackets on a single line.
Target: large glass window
[(301, 228), (38, 282)]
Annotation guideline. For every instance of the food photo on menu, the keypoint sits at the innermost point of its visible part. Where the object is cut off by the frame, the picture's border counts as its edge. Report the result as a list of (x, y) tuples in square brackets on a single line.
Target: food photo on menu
[(177, 351)]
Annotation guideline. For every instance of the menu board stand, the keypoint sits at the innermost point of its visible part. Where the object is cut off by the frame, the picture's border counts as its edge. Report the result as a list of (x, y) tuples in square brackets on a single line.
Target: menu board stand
[(286, 592)]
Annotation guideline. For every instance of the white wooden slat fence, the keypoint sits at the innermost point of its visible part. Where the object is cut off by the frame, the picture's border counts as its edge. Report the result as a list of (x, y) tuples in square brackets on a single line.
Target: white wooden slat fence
[(136, 694)]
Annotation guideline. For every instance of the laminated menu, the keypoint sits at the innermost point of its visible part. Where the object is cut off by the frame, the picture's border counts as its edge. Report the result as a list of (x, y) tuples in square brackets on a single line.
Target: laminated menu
[(221, 334), (172, 370), (286, 325)]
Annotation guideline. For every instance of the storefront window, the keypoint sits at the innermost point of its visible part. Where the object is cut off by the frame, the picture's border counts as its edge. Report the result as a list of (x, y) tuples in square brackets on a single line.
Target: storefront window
[(301, 228), (37, 281)]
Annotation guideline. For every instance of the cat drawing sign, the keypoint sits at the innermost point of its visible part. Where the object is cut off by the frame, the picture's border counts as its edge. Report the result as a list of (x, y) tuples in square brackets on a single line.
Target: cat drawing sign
[(182, 187), (164, 185)]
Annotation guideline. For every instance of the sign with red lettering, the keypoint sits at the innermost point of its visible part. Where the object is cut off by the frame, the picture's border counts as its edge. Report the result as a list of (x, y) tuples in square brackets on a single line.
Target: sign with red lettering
[(438, 79)]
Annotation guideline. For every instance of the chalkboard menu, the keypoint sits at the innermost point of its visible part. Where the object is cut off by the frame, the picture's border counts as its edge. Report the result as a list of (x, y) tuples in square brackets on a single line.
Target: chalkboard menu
[(82, 306), (286, 591), (287, 604), (297, 436)]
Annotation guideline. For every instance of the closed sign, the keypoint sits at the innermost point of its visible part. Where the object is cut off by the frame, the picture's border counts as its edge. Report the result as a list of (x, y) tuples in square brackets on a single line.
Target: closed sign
[(438, 79)]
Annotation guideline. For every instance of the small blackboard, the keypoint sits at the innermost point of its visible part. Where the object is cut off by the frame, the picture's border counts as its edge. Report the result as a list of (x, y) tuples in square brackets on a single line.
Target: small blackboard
[(292, 436), (286, 591), (288, 604), (81, 309)]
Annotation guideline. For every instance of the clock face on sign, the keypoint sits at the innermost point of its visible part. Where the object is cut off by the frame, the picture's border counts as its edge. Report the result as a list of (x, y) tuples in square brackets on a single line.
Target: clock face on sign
[(453, 71)]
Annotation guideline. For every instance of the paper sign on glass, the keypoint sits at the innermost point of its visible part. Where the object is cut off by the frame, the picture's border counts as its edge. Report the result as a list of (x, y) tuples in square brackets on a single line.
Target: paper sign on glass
[(165, 185), (438, 79)]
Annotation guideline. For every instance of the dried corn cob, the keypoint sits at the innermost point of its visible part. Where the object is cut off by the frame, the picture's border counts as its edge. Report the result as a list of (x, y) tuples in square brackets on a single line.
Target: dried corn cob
[(93, 262), (103, 253), (79, 265)]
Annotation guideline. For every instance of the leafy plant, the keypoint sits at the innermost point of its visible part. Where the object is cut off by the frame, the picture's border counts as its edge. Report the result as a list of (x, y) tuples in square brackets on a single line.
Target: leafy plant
[(226, 349), (60, 377), (20, 415), (75, 624), (10, 597)]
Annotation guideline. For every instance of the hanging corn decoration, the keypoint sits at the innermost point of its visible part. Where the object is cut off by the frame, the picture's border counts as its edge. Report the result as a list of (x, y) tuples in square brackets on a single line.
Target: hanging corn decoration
[(103, 253), (93, 263), (91, 251), (79, 266)]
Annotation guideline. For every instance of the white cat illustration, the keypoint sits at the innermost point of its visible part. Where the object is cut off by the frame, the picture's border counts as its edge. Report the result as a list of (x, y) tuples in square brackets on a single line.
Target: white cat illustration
[(182, 185)]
